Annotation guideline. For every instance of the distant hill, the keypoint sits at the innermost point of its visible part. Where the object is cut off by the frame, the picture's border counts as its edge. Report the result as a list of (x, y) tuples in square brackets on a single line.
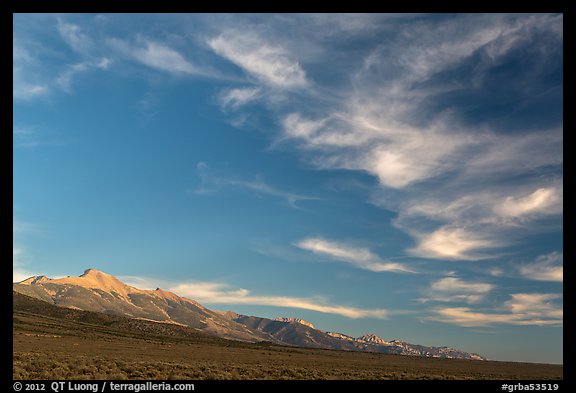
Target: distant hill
[(106, 295), (293, 332)]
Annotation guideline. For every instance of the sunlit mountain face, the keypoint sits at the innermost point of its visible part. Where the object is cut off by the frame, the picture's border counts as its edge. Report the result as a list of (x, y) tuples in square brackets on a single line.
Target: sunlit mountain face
[(392, 174), (103, 293)]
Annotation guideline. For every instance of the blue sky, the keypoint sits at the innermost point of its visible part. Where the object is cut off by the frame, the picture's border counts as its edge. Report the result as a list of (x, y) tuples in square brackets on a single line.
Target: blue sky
[(394, 174)]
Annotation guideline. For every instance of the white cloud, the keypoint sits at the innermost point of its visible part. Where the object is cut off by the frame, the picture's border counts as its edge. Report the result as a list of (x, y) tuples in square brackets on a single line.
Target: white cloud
[(547, 267), (326, 133), (19, 272), (402, 157), (357, 256), (32, 79), (534, 309), (235, 98), (453, 289), (451, 243), (104, 63), (64, 79), (534, 304), (26, 83), (451, 42), (336, 24), (20, 258), (26, 91), (159, 56), (495, 272), (296, 127), (477, 220), (212, 182), (431, 47), (74, 37), (217, 293), (22, 131), (270, 64), (260, 187), (453, 284), (208, 292), (492, 206), (536, 202), (458, 188), (84, 46)]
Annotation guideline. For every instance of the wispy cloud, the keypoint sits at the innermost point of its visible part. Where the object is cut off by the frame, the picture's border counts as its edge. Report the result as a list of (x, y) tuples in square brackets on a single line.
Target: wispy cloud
[(536, 309), (407, 159), (212, 293), (31, 137), (23, 90), (155, 55), (359, 257), (24, 136), (506, 205), (216, 293), (20, 227), (547, 267), (238, 97), (452, 243), (64, 79), (429, 157), (26, 82), (19, 272), (33, 80), (20, 259), (453, 289), (477, 222), (540, 201), (213, 182), (72, 34), (269, 63), (453, 284), (86, 48), (159, 56)]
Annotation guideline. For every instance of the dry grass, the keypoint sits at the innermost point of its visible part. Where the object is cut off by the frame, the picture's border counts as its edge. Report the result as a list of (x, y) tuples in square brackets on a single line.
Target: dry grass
[(52, 348)]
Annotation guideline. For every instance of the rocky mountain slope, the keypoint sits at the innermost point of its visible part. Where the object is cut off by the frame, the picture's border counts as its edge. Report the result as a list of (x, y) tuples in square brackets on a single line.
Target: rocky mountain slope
[(103, 293), (293, 332)]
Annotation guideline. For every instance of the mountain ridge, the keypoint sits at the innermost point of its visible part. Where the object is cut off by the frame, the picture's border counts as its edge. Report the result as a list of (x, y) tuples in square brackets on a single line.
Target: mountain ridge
[(293, 333), (295, 320), (102, 292)]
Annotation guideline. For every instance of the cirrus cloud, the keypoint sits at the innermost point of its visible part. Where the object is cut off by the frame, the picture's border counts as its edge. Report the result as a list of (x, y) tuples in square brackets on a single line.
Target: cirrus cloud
[(360, 257), (525, 309), (453, 289), (217, 293), (268, 63), (212, 293), (546, 268)]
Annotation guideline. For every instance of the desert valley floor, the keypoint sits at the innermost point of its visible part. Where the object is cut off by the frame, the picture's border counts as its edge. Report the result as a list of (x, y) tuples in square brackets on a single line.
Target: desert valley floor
[(59, 343)]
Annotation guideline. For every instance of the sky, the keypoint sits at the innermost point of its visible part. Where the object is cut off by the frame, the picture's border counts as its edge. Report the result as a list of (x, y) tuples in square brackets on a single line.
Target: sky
[(396, 174)]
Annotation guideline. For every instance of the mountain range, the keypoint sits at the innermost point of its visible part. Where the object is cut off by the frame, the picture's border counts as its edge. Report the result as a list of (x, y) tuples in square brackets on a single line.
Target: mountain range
[(100, 292)]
